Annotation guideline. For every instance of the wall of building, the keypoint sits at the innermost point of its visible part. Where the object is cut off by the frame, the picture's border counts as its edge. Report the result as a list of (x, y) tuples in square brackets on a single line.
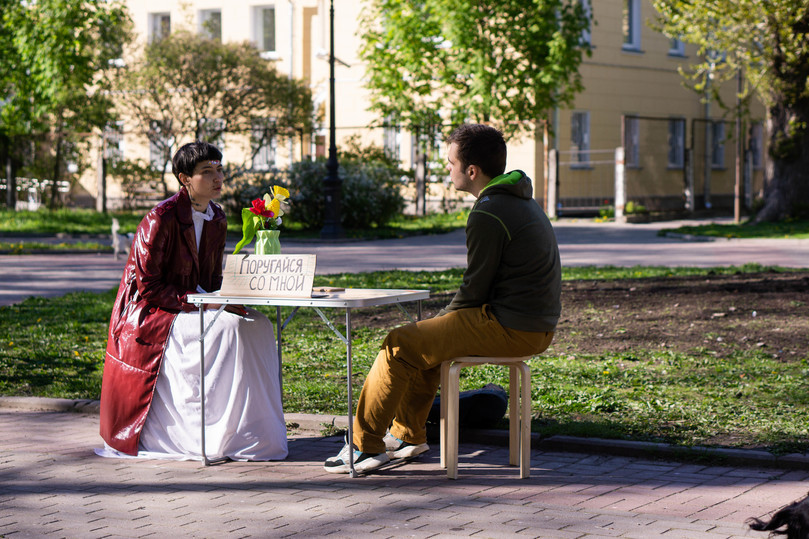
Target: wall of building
[(640, 81)]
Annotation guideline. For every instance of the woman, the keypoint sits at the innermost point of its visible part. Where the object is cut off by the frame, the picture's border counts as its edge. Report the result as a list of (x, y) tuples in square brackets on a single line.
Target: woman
[(150, 394)]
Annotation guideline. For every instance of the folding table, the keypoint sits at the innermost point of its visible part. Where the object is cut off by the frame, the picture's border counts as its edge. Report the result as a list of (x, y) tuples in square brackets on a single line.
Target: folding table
[(348, 299)]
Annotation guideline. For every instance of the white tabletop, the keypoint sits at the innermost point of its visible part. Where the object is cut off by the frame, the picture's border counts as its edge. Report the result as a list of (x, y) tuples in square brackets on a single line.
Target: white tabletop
[(349, 297)]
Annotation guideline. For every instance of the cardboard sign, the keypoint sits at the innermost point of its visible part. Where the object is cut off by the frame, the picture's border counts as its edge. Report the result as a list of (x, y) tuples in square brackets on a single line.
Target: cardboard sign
[(268, 275)]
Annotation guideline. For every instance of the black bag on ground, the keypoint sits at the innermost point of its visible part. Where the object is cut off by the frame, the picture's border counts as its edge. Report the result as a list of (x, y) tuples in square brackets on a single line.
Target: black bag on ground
[(478, 408)]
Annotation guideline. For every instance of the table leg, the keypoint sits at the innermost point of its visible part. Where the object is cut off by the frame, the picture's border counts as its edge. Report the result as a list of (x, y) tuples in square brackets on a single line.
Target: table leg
[(202, 381), (352, 472), (202, 331), (278, 330)]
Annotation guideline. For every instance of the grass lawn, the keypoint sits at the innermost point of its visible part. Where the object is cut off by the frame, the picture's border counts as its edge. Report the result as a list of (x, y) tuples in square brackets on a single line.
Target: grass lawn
[(94, 228), (795, 229), (743, 398)]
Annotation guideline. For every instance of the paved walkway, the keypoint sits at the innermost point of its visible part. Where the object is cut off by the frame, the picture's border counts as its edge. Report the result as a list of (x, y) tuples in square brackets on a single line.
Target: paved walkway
[(581, 242), (53, 485)]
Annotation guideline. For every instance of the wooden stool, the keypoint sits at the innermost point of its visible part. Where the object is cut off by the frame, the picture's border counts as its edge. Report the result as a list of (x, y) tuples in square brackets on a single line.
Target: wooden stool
[(519, 415)]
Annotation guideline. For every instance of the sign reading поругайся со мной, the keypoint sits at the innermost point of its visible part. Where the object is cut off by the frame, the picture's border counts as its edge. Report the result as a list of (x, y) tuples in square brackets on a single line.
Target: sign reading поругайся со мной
[(268, 275)]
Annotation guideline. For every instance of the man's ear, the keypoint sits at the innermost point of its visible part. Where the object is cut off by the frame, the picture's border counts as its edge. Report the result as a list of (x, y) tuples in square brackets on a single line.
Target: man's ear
[(183, 177)]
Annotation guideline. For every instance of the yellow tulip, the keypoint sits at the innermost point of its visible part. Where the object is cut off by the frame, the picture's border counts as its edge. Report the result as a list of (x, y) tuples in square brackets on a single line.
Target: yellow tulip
[(280, 192), (275, 207)]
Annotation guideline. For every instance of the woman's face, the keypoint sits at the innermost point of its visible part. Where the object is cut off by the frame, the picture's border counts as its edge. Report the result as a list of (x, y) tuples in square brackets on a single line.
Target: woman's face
[(205, 184)]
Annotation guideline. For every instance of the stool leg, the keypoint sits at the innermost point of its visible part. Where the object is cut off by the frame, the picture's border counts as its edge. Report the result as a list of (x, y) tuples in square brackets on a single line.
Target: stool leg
[(452, 420), (513, 415), (443, 416), (525, 435)]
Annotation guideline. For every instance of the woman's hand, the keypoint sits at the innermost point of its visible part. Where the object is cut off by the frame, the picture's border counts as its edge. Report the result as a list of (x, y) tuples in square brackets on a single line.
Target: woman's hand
[(235, 309)]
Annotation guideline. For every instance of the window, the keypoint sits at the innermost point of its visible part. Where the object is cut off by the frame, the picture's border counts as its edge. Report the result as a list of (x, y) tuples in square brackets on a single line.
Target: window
[(159, 26), (392, 137), (717, 144), (160, 143), (210, 21), (756, 144), (114, 142), (212, 130), (676, 142), (586, 34), (580, 138), (263, 143), (632, 141), (630, 25), (676, 47), (264, 28)]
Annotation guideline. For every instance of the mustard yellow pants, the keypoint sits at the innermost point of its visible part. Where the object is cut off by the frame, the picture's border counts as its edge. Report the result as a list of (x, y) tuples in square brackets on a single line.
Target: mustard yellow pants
[(404, 378)]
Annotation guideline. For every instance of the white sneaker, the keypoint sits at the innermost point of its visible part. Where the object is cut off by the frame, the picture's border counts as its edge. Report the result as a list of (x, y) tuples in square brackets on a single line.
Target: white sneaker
[(399, 449), (363, 462)]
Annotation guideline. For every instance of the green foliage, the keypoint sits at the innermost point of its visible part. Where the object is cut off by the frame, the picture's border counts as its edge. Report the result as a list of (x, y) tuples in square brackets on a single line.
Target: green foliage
[(371, 194), (65, 221), (508, 62), (634, 208), (766, 42), (54, 79), (187, 86)]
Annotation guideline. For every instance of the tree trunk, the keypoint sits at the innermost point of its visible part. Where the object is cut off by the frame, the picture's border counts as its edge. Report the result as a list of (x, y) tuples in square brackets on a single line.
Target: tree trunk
[(52, 203), (786, 182), (10, 173), (421, 181)]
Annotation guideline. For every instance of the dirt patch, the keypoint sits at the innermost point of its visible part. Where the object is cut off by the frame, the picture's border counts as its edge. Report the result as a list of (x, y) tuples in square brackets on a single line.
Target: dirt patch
[(717, 313)]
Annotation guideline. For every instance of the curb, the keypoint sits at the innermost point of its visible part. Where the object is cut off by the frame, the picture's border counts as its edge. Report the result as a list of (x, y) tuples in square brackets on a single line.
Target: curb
[(321, 424)]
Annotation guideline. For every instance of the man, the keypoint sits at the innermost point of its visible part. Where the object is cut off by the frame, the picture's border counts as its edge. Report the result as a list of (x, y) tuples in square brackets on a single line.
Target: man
[(507, 305)]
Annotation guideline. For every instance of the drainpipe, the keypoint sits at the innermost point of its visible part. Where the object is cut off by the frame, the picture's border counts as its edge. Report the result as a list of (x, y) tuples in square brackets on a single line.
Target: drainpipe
[(291, 68)]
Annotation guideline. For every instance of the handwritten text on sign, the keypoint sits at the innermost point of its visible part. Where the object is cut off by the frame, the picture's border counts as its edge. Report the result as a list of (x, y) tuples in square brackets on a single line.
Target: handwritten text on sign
[(269, 275)]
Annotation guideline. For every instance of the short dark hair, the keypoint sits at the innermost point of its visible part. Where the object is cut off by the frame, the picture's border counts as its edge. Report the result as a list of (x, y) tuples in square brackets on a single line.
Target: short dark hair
[(190, 155), (480, 145)]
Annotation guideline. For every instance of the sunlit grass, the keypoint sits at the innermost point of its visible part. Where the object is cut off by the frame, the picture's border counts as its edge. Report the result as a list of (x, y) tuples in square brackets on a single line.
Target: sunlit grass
[(55, 348), (790, 229)]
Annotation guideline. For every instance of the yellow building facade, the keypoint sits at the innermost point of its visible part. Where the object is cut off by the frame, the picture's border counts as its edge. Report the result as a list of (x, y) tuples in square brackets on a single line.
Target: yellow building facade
[(633, 99)]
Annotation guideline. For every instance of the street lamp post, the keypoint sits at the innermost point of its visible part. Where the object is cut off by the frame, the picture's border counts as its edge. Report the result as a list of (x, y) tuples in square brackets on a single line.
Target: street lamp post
[(332, 184)]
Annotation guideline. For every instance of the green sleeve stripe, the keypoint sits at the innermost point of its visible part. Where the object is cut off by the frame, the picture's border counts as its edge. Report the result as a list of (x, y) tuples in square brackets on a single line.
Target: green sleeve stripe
[(498, 220)]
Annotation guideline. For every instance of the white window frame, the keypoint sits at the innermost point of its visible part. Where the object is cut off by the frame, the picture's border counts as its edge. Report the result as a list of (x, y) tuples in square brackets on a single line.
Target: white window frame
[(676, 143), (267, 52), (580, 138), (718, 144), (632, 141), (204, 16), (676, 47), (114, 142), (586, 35), (631, 25), (264, 148), (219, 125), (392, 138), (157, 29), (160, 158), (757, 145)]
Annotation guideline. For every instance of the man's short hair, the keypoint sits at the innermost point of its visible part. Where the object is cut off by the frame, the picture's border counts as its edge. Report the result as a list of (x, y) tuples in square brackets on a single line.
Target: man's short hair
[(480, 145), (190, 155)]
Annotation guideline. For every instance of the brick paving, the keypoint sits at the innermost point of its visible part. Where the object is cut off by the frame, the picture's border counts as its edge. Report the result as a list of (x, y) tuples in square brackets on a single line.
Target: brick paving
[(53, 485)]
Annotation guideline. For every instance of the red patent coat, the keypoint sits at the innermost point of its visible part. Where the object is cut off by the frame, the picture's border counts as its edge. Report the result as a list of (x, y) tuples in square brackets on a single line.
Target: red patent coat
[(163, 267)]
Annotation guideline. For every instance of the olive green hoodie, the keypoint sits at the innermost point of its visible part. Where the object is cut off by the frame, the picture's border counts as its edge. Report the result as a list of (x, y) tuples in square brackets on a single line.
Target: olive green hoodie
[(512, 257)]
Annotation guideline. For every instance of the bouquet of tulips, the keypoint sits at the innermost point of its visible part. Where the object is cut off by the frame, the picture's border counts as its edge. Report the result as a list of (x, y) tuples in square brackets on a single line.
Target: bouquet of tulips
[(265, 214)]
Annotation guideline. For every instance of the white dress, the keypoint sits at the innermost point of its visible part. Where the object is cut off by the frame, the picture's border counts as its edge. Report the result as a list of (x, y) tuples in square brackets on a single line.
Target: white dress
[(244, 418)]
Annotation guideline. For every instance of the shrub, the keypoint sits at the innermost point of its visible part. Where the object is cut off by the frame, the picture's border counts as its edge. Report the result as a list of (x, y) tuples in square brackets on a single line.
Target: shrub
[(370, 193), (370, 189)]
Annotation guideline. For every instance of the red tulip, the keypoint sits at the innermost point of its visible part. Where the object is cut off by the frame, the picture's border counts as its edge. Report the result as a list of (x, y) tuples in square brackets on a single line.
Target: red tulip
[(260, 209)]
